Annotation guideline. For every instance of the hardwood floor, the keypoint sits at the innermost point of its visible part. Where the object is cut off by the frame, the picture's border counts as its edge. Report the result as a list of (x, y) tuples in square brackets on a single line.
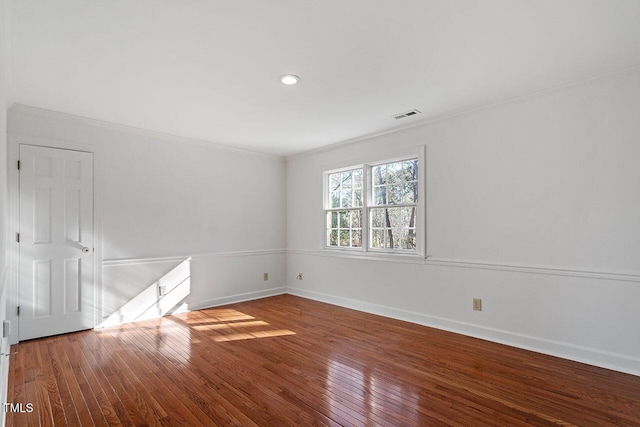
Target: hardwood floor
[(288, 361)]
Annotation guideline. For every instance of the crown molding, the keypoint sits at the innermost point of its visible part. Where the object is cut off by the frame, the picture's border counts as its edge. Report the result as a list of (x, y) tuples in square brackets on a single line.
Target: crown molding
[(515, 99), (29, 110)]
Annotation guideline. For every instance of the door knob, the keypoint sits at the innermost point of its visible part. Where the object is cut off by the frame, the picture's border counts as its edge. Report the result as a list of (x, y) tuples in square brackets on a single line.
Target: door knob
[(85, 249)]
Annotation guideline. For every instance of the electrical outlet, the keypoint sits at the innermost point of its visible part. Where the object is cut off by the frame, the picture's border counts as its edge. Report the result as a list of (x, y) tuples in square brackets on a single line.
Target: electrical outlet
[(162, 290), (265, 276), (477, 304), (299, 276)]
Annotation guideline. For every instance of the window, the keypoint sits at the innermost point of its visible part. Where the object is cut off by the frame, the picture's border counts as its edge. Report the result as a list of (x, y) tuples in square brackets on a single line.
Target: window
[(394, 205), (375, 207), (344, 216)]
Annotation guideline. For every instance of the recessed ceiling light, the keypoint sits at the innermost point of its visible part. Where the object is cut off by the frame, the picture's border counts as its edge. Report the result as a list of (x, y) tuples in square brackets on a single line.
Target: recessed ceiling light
[(289, 79)]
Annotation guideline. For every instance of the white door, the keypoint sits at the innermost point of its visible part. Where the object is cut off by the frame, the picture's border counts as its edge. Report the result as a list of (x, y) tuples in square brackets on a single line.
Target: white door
[(56, 241)]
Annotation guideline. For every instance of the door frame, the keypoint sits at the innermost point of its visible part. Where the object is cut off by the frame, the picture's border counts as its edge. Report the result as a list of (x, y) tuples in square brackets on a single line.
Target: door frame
[(13, 254)]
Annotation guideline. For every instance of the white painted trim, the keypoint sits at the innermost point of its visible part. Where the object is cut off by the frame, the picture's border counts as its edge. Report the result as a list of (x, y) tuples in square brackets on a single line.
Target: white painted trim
[(14, 141), (403, 258), (518, 98), (43, 113), (179, 258), (591, 356), (409, 259), (604, 275), (12, 246), (364, 158), (231, 299)]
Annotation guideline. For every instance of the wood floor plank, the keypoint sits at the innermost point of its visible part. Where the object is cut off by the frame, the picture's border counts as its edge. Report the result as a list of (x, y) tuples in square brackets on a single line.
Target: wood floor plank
[(119, 408), (288, 361), (15, 389), (177, 372), (107, 367), (84, 369), (93, 395), (66, 399), (57, 409), (83, 403)]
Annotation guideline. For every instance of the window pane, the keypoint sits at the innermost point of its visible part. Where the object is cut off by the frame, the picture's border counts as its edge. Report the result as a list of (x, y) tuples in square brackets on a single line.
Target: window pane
[(415, 169), (393, 215), (395, 183), (394, 194), (356, 238), (400, 179), (410, 240), (344, 228), (394, 237), (377, 238), (385, 236), (357, 198), (394, 173), (377, 218), (344, 219), (356, 220), (393, 228), (341, 189), (410, 168), (410, 192), (380, 196), (357, 178), (334, 182), (335, 199), (378, 174), (346, 180), (346, 198), (345, 237), (409, 217), (333, 238)]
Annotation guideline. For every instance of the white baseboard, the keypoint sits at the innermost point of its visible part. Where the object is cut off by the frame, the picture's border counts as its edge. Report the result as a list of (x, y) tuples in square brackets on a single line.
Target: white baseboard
[(595, 357), (214, 302)]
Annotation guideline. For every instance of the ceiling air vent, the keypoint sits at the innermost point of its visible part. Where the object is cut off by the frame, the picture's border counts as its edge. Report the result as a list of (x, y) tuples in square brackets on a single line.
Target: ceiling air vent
[(406, 114)]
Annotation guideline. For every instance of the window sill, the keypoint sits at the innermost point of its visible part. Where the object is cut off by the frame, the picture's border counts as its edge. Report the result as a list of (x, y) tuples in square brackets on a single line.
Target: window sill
[(405, 258)]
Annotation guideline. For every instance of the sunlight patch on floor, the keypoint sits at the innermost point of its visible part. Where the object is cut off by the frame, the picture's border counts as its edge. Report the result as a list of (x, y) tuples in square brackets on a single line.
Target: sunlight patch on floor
[(231, 325), (252, 335)]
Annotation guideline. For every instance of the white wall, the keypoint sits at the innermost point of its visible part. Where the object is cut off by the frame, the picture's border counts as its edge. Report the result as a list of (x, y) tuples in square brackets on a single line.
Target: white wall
[(163, 199), (5, 102), (532, 205)]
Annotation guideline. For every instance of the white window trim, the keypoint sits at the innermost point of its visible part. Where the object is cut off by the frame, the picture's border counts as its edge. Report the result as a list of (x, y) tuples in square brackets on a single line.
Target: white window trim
[(421, 224), (326, 201)]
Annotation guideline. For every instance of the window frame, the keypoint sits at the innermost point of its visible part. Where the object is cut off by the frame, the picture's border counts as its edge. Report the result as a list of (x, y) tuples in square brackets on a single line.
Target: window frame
[(367, 205), (328, 208)]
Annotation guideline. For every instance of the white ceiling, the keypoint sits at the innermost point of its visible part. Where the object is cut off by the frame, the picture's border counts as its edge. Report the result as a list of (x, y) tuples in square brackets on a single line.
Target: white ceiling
[(208, 69)]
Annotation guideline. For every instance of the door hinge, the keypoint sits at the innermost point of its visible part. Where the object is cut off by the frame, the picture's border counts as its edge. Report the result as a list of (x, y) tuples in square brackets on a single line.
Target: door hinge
[(18, 310), (18, 164), (18, 237)]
